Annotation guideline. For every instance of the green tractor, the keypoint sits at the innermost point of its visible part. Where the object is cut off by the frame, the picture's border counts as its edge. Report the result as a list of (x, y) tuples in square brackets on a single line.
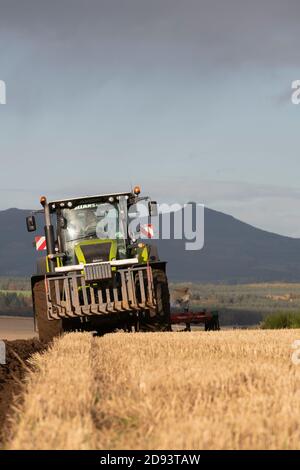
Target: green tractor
[(98, 275)]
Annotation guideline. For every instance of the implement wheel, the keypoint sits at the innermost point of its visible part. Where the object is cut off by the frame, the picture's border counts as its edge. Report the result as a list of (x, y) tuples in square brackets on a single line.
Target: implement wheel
[(213, 324)]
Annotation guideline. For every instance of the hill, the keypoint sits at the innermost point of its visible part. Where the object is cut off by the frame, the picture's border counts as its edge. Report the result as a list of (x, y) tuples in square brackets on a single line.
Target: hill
[(234, 252)]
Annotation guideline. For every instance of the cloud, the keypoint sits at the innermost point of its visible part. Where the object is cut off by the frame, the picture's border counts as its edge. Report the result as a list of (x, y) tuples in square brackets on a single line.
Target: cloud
[(216, 191), (79, 71), (223, 33)]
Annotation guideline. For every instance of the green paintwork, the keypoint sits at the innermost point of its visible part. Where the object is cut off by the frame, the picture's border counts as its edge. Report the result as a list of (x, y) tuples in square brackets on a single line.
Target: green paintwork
[(143, 254), (79, 253)]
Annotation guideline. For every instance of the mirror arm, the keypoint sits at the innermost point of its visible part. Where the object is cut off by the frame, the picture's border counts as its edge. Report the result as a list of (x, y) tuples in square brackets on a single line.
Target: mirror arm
[(57, 255)]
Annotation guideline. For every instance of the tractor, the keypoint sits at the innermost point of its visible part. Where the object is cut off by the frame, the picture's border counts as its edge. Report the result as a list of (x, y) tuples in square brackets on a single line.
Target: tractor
[(98, 274)]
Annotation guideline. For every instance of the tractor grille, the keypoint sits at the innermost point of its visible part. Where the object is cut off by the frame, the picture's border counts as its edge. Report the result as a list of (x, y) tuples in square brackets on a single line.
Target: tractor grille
[(95, 272), (96, 252)]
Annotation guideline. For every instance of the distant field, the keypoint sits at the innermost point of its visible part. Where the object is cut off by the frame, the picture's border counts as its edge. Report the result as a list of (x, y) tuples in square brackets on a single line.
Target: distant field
[(14, 283), (15, 296), (213, 390), (26, 293), (242, 304), (12, 328), (239, 304)]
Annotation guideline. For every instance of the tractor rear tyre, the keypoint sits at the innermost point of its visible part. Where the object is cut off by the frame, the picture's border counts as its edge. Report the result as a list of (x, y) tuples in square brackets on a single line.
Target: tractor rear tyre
[(47, 329)]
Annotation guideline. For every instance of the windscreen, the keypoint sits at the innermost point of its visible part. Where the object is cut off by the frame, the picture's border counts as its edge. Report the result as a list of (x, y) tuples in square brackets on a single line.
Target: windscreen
[(101, 220)]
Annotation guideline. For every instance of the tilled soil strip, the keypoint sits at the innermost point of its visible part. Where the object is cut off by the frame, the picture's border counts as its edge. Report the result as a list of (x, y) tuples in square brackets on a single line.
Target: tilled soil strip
[(11, 376)]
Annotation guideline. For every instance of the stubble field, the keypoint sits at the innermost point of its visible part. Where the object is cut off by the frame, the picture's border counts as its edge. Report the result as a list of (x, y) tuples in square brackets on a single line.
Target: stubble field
[(199, 390)]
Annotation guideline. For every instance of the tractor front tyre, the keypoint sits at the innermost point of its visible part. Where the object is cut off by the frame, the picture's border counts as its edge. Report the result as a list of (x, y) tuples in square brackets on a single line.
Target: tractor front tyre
[(161, 321), (47, 329)]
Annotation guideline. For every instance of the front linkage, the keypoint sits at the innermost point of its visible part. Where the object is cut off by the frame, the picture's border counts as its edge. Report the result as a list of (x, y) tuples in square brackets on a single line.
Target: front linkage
[(75, 294)]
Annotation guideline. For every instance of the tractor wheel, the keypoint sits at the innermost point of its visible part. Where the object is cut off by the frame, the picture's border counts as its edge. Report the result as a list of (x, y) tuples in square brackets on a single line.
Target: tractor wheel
[(161, 321), (47, 329)]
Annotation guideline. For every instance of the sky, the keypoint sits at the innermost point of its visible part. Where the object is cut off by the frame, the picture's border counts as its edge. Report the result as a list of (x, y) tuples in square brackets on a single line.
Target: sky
[(191, 100)]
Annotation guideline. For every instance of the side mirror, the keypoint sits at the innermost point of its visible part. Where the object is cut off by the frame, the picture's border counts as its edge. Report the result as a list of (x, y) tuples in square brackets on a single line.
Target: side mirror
[(152, 207), (31, 223)]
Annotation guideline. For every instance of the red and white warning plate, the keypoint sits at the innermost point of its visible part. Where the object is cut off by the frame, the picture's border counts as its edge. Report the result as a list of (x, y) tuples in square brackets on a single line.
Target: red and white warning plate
[(40, 243), (147, 231)]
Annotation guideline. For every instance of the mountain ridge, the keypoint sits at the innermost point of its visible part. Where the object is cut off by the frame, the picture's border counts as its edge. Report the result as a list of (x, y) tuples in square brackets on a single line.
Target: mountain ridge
[(234, 251)]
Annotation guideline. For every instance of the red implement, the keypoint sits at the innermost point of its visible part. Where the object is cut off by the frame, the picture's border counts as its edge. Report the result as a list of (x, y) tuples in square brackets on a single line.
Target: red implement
[(209, 319)]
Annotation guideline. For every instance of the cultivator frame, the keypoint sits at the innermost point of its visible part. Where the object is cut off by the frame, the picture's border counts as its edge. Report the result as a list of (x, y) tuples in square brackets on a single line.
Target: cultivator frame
[(210, 320)]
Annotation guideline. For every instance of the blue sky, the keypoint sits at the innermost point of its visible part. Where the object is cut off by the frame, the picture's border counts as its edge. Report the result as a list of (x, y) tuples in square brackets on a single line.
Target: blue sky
[(192, 100)]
